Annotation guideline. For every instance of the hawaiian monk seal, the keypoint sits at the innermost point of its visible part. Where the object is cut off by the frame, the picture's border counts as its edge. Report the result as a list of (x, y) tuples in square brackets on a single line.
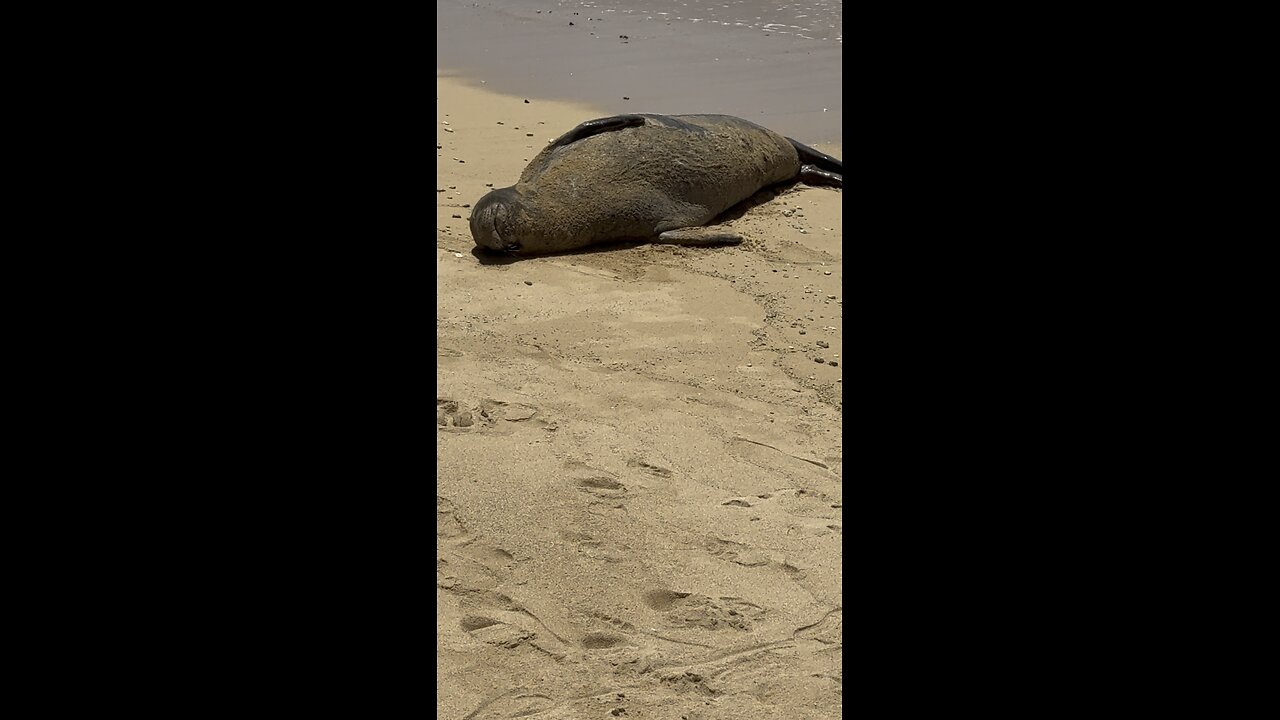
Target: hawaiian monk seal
[(653, 177)]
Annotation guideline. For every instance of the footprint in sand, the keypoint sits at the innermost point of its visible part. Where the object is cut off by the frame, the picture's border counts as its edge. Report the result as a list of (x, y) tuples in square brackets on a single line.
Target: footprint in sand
[(495, 632), (601, 486), (453, 415), (807, 512), (689, 681), (794, 501), (649, 468), (593, 547), (448, 526), (694, 610), (805, 503), (735, 552), (603, 640), (459, 416), (466, 564)]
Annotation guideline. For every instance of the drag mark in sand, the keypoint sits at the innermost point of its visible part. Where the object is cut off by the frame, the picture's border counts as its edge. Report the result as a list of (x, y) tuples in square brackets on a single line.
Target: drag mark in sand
[(815, 624), (784, 452)]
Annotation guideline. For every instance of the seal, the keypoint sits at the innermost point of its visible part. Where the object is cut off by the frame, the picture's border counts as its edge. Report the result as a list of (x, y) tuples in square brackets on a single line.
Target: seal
[(655, 178)]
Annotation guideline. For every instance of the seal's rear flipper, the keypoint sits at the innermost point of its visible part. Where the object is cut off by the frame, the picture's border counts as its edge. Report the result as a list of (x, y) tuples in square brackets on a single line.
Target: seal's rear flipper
[(699, 236), (595, 127), (816, 160), (811, 175)]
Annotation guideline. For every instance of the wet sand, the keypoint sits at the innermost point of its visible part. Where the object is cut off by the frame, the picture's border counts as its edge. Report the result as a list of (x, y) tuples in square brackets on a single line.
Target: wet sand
[(639, 462)]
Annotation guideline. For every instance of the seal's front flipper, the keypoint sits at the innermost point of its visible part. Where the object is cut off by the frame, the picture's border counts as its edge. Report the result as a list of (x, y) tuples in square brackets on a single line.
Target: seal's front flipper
[(811, 175), (699, 236), (595, 127)]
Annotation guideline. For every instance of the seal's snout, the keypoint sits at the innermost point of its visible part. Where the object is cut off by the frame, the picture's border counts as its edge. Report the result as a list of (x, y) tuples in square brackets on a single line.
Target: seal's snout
[(491, 225)]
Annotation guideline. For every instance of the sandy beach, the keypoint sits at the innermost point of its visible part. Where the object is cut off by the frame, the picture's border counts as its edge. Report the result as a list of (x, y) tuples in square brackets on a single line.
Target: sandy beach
[(639, 461)]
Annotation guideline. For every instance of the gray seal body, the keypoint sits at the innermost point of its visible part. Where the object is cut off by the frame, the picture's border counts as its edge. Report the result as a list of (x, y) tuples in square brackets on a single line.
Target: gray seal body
[(641, 177)]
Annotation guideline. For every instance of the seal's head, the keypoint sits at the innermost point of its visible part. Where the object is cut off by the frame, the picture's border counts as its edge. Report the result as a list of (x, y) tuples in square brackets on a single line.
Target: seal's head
[(493, 221)]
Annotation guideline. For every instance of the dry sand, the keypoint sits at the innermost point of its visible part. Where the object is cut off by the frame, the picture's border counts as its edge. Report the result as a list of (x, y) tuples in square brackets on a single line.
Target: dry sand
[(639, 461)]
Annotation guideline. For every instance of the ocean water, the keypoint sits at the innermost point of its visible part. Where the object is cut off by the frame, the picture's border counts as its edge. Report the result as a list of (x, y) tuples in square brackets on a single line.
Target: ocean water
[(820, 20)]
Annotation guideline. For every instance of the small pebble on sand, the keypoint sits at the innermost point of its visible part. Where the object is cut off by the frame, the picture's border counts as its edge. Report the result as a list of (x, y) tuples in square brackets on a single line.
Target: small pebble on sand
[(823, 343), (833, 363), (488, 184), (458, 216), (828, 272), (528, 282), (819, 360)]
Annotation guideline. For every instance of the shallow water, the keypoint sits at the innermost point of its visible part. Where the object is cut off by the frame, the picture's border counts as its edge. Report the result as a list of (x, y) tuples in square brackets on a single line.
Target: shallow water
[(810, 20)]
